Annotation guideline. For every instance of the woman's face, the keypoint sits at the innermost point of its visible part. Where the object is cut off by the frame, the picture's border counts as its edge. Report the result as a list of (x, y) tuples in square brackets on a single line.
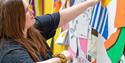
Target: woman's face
[(29, 15)]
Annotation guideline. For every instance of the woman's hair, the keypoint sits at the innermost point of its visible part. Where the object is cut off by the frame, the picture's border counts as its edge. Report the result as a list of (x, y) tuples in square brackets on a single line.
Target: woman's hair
[(12, 23)]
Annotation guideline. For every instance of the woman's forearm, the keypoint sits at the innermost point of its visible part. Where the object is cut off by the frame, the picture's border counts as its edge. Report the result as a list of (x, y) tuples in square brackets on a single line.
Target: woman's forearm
[(72, 12)]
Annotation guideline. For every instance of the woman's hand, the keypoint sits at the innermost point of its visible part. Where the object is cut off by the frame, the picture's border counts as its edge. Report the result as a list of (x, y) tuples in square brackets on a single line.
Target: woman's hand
[(70, 13)]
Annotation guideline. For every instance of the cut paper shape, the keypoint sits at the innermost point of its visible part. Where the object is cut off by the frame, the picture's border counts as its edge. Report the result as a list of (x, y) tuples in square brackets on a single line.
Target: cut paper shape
[(63, 3), (80, 59), (63, 37), (72, 2), (48, 6), (33, 7), (116, 51), (92, 47), (122, 60), (99, 20), (105, 2), (37, 8), (102, 56), (83, 44), (80, 25), (111, 8), (113, 38), (120, 14), (57, 5), (72, 53)]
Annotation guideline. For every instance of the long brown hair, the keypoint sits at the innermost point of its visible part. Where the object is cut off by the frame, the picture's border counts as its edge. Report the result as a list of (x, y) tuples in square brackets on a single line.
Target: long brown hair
[(12, 23)]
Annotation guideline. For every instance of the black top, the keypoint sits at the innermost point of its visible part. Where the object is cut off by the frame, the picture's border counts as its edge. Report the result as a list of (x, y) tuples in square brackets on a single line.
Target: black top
[(13, 52)]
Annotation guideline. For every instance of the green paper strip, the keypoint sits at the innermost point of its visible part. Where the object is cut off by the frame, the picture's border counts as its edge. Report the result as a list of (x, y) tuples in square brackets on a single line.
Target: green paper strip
[(37, 7), (116, 52)]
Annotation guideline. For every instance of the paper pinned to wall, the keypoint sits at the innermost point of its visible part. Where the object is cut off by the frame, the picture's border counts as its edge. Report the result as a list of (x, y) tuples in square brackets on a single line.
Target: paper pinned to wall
[(99, 20), (120, 14), (102, 56), (115, 52), (62, 38), (105, 2)]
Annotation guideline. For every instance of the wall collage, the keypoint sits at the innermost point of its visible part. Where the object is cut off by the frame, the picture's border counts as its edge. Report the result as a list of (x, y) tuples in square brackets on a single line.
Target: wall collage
[(95, 36)]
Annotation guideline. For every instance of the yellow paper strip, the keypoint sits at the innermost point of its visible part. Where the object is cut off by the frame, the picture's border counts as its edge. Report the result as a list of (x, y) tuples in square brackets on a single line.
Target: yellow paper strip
[(105, 2)]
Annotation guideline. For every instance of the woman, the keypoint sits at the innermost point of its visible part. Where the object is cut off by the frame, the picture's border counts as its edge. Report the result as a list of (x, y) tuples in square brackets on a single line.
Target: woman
[(23, 36)]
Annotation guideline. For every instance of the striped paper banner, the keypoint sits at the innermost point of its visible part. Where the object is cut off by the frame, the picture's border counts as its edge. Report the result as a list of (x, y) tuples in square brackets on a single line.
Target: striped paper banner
[(99, 20)]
